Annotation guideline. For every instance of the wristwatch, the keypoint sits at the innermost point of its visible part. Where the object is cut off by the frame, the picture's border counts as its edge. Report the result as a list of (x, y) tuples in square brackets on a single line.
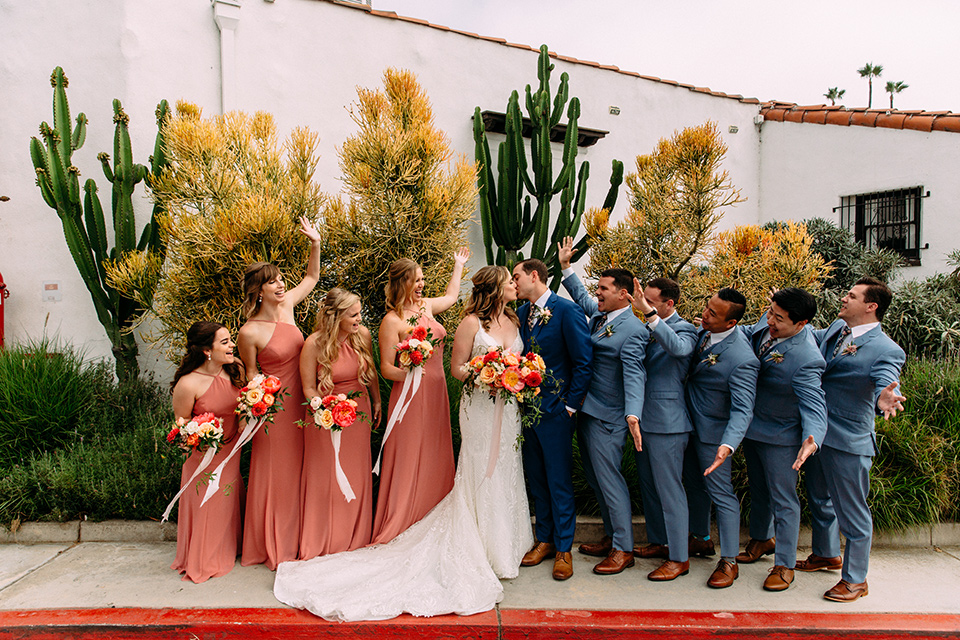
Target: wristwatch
[(652, 313)]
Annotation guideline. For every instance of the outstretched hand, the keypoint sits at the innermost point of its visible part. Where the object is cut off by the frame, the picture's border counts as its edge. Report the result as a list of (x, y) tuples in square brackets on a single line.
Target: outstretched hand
[(461, 256), (637, 298), (807, 449), (565, 253), (307, 229), (723, 452), (890, 401)]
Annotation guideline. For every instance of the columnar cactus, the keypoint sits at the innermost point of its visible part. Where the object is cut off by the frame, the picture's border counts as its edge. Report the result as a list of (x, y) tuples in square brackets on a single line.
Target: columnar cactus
[(505, 213), (82, 216)]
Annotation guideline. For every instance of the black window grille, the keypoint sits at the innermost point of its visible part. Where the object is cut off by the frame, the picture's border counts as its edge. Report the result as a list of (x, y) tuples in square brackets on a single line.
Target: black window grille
[(886, 220)]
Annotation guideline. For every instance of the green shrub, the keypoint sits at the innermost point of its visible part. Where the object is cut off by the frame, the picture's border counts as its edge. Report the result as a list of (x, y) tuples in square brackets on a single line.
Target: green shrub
[(924, 317)]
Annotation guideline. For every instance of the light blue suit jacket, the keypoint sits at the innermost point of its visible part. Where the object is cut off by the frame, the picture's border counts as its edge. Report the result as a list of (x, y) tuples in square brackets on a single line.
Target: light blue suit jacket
[(852, 383), (720, 394), (668, 359), (790, 404), (616, 389)]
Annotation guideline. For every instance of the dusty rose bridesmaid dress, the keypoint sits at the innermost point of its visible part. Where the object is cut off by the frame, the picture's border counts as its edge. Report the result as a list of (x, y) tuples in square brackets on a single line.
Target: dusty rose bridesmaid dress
[(271, 528), (329, 523), (417, 468), (208, 537)]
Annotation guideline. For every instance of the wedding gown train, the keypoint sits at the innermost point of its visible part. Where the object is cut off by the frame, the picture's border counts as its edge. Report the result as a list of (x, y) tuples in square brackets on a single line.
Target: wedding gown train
[(448, 562)]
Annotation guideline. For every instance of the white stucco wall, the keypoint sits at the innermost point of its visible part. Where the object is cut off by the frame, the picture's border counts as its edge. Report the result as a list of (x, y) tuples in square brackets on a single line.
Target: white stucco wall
[(806, 168)]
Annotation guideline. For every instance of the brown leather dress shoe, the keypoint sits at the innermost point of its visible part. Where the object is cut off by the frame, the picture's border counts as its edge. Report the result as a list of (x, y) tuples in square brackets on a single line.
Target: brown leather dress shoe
[(818, 563), (756, 549), (700, 547), (563, 565), (779, 579), (536, 555), (845, 591), (724, 575), (652, 551), (598, 549), (669, 570), (616, 562)]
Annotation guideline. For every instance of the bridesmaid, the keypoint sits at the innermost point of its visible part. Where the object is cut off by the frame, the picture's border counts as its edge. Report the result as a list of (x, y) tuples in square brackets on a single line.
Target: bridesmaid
[(338, 358), (271, 339), (417, 467), (209, 380)]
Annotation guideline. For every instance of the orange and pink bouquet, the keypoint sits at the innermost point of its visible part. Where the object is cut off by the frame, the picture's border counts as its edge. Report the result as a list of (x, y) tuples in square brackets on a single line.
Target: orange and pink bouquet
[(197, 434), (416, 349), (261, 398), (335, 411), (502, 372)]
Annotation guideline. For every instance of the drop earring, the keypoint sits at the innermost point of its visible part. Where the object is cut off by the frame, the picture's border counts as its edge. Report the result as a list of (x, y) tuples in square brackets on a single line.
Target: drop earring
[(260, 298), (208, 356)]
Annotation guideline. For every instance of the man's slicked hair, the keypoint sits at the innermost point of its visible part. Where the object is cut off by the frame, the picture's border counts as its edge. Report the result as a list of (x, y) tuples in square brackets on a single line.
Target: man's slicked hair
[(533, 264), (877, 292), (622, 278), (738, 303), (669, 289)]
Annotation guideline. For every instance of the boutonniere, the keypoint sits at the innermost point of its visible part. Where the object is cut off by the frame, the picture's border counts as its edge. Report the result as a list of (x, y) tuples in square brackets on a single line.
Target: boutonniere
[(711, 359), (607, 331), (543, 314), (653, 338), (776, 356), (849, 350)]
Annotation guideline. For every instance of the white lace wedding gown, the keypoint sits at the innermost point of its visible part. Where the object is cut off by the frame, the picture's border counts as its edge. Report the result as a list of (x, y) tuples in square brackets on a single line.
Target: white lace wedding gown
[(450, 561)]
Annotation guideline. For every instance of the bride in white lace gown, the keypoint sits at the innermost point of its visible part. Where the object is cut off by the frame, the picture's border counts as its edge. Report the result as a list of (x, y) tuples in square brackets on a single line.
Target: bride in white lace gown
[(451, 560)]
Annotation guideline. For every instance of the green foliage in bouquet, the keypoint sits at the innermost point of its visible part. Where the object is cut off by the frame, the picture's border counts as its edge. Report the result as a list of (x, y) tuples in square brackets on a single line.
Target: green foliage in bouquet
[(83, 220), (231, 196), (402, 200), (677, 197), (508, 220)]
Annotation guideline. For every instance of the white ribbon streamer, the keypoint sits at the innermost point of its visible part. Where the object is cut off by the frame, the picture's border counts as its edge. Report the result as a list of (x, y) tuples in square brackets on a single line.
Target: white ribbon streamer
[(204, 463), (495, 436), (341, 476), (412, 384), (250, 429)]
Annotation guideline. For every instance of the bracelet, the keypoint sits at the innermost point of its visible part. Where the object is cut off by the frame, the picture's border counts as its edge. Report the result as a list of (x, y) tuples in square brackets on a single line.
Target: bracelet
[(651, 314)]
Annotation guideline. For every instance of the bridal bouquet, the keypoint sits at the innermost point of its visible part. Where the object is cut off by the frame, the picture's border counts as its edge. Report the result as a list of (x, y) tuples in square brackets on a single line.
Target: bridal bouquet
[(260, 398), (334, 412), (197, 434), (504, 373), (416, 349)]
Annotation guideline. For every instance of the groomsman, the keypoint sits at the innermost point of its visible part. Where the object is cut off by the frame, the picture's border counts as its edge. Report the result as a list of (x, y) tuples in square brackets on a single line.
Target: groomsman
[(665, 427), (720, 392), (614, 402), (790, 413), (860, 381), (558, 330)]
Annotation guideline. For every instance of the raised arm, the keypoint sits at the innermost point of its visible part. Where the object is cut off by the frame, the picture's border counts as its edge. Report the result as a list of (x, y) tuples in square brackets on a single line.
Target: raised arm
[(452, 294), (463, 345), (571, 282), (310, 279), (392, 331)]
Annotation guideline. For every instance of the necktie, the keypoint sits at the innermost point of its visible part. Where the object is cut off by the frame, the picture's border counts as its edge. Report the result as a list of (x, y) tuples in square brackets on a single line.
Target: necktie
[(602, 320), (846, 331), (766, 346), (703, 343), (532, 319)]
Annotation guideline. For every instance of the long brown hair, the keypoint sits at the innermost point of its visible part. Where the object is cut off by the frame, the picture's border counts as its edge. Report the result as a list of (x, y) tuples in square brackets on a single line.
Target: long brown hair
[(332, 310), (256, 275), (486, 299), (200, 336), (402, 274)]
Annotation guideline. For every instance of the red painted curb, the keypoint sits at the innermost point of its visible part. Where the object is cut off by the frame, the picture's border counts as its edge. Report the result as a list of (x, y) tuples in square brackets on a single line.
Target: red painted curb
[(255, 624)]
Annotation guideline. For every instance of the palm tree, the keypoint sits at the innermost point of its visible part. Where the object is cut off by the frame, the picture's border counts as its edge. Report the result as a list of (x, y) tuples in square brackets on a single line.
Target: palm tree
[(895, 87), (869, 71), (833, 94)]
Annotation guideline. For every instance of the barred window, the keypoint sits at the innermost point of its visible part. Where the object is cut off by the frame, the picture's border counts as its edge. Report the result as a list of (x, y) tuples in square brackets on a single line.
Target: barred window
[(886, 220)]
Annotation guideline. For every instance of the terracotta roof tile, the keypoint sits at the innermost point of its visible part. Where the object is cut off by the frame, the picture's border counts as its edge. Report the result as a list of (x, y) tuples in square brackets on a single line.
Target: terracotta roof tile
[(515, 45), (917, 120)]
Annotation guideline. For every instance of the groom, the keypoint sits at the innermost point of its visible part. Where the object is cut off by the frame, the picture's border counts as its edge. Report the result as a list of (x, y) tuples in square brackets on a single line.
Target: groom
[(557, 329)]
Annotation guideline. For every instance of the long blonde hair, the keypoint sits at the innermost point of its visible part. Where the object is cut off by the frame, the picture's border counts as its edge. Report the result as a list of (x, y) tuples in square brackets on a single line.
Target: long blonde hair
[(256, 275), (332, 310), (486, 299), (402, 274)]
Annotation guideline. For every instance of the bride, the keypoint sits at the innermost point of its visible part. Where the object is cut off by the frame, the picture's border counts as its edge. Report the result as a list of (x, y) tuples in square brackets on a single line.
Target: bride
[(450, 561)]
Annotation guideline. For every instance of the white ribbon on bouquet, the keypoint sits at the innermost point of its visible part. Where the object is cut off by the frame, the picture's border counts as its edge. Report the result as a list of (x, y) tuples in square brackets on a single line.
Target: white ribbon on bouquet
[(411, 384), (250, 429), (341, 476), (204, 463)]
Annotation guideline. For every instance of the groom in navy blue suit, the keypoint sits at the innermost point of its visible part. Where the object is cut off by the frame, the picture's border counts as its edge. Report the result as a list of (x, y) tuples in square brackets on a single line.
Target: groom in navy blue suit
[(557, 329)]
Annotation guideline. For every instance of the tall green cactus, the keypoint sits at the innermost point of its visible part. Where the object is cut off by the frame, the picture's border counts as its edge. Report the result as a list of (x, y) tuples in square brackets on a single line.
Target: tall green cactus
[(506, 214), (82, 216)]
